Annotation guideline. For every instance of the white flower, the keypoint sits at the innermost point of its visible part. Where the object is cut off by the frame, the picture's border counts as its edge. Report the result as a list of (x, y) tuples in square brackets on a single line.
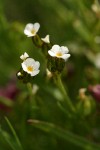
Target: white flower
[(31, 66), (46, 39), (24, 56), (60, 52), (31, 29)]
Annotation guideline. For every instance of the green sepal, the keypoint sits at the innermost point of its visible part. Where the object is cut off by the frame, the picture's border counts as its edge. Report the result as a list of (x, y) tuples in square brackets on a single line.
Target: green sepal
[(24, 77), (55, 64), (45, 48)]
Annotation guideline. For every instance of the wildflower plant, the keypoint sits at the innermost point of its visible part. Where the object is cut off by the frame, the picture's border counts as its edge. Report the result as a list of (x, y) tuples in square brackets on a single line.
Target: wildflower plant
[(56, 57), (59, 82)]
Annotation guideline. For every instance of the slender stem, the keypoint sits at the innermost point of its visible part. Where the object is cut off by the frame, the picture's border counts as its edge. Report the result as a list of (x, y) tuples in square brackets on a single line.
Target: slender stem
[(59, 83)]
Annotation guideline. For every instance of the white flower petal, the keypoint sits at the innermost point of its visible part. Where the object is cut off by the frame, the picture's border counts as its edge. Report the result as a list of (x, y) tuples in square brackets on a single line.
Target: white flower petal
[(19, 74), (37, 64), (29, 26), (30, 61), (24, 66), (24, 56), (35, 72), (55, 48), (64, 49), (28, 33), (28, 29), (66, 56), (46, 39), (36, 26), (51, 53)]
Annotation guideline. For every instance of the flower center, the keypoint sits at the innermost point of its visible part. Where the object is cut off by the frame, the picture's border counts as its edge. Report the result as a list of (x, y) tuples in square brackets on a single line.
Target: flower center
[(58, 54), (30, 68), (33, 31)]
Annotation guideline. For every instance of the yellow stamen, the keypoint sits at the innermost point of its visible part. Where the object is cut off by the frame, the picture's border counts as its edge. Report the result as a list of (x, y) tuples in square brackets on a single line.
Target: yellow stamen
[(30, 68), (58, 54), (32, 31)]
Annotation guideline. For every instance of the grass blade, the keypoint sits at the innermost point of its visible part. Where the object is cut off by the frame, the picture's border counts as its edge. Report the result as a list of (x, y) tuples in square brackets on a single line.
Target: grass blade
[(66, 135), (14, 134)]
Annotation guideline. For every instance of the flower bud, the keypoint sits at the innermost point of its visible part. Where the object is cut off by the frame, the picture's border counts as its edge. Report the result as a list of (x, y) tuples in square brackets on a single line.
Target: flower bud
[(95, 91), (86, 104), (23, 76)]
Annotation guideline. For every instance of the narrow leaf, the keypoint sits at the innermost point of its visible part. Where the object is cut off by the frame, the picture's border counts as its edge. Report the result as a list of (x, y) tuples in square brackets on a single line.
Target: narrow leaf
[(64, 134)]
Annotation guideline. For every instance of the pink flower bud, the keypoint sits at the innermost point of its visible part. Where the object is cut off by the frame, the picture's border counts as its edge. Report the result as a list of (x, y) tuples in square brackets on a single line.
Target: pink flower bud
[(95, 91)]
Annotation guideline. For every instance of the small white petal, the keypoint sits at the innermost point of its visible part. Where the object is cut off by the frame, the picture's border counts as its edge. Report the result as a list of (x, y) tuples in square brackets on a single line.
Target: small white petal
[(36, 26), (55, 48), (35, 72), (46, 39), (51, 53), (30, 61), (29, 26), (24, 66), (66, 56), (30, 35), (24, 56), (28, 29), (37, 64), (64, 49), (19, 74)]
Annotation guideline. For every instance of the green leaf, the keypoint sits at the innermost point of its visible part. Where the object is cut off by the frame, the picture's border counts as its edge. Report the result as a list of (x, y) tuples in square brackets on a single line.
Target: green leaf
[(8, 139), (12, 140), (14, 135), (64, 134), (6, 101)]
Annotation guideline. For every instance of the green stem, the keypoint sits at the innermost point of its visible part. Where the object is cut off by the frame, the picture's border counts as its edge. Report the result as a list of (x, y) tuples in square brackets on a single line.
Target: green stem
[(59, 83)]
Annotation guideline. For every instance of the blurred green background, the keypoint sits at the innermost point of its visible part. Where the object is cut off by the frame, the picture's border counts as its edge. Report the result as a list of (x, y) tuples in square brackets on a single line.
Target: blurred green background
[(72, 23)]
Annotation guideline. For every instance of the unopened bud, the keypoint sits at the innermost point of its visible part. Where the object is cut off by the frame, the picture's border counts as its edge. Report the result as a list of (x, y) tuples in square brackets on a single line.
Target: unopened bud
[(95, 91)]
